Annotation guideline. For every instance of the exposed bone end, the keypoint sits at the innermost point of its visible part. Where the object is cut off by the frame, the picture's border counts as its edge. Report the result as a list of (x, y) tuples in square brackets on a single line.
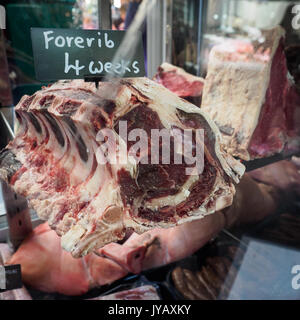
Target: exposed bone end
[(236, 165), (80, 240)]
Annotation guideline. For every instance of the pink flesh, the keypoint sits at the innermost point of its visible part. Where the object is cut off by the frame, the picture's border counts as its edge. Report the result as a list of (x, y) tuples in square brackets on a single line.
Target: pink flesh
[(284, 174), (179, 85), (47, 267)]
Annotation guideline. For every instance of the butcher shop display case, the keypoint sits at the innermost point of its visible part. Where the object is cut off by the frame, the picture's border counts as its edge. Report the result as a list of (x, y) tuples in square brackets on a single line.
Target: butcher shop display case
[(196, 26), (222, 79)]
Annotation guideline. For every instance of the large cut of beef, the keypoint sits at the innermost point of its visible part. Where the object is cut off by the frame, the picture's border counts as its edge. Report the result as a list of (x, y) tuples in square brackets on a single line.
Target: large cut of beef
[(46, 267), (56, 161), (182, 83), (251, 96)]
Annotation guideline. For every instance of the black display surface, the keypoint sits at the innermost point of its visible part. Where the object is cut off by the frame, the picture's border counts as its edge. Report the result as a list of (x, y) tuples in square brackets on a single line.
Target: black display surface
[(10, 277)]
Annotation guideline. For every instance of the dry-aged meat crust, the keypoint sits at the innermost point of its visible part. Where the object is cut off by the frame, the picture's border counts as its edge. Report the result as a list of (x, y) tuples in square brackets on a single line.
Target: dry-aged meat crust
[(251, 97), (53, 161)]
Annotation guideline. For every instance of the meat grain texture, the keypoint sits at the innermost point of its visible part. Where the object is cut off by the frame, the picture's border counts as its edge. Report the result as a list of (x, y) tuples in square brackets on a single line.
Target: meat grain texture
[(47, 267), (54, 162)]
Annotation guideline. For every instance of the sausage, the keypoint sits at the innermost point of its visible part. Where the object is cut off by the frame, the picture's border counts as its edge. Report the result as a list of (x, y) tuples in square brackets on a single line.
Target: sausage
[(180, 283), (195, 286), (209, 288), (218, 265)]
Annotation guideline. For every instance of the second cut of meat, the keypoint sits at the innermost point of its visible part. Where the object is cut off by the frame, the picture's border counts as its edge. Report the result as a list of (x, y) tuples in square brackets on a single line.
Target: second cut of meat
[(252, 98)]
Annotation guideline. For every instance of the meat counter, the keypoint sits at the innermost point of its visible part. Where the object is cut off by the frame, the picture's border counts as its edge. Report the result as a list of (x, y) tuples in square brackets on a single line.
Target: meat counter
[(211, 56)]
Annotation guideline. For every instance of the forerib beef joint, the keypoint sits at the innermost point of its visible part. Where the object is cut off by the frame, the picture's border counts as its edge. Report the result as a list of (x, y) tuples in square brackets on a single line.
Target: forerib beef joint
[(252, 98), (54, 162)]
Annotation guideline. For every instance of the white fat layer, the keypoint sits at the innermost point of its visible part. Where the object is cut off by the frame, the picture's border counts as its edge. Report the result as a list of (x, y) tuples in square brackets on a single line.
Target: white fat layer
[(173, 200), (69, 240), (109, 195)]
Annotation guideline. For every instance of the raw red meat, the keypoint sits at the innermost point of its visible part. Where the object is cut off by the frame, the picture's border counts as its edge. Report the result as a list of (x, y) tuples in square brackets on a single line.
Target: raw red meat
[(160, 247), (184, 84), (45, 266), (54, 162), (252, 98)]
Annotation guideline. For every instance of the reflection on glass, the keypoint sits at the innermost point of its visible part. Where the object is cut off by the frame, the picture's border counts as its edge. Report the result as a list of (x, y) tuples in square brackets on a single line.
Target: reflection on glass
[(199, 25), (23, 15)]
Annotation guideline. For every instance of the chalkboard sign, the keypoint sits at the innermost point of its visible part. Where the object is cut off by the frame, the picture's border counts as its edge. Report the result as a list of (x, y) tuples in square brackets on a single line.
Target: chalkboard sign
[(10, 277), (76, 54)]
